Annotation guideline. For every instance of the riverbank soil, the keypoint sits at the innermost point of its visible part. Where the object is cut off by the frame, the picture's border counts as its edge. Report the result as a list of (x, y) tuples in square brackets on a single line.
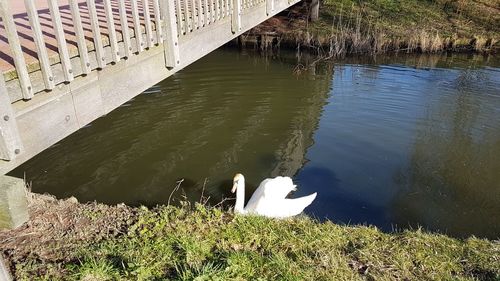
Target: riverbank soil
[(66, 240), (377, 26), (57, 229)]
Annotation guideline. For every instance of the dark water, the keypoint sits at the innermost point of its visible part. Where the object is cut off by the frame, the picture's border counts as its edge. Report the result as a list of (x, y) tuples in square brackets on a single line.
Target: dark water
[(396, 142)]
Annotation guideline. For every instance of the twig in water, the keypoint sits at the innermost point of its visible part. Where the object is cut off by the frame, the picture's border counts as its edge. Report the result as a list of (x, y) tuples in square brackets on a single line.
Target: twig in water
[(175, 189), (297, 70), (203, 189), (223, 200), (184, 196), (206, 200), (28, 186)]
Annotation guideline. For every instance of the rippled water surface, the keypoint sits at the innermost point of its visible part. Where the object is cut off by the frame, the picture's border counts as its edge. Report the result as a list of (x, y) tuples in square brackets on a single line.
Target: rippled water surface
[(395, 142)]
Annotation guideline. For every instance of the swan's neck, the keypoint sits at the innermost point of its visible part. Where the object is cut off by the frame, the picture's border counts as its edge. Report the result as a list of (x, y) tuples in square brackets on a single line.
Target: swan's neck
[(239, 207)]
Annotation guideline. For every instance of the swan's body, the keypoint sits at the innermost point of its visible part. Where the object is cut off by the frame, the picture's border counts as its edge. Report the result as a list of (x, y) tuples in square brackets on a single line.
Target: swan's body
[(269, 199)]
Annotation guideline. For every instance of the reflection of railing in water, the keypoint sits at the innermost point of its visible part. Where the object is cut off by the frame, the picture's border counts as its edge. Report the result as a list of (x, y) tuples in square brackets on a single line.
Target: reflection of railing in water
[(67, 62)]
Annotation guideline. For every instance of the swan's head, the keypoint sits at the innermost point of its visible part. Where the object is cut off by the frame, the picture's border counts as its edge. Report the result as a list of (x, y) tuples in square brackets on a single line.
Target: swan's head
[(237, 180)]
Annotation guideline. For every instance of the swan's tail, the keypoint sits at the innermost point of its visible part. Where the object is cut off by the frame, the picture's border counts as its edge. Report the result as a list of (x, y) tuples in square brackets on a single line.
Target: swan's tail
[(293, 207)]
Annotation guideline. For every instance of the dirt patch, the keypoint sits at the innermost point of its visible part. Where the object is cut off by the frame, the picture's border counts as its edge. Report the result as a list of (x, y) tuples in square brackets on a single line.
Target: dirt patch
[(58, 227)]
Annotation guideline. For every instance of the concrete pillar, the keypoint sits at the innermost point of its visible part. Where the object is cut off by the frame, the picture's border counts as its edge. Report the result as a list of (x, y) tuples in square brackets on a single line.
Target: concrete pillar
[(13, 202), (314, 8), (4, 270)]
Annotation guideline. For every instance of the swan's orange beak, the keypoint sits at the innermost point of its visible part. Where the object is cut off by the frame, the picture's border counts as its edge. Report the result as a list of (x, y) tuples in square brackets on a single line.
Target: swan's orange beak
[(235, 185)]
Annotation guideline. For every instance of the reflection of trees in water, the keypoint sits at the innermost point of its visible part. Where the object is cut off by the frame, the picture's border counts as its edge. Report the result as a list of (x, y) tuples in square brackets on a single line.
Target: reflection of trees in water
[(453, 179), (426, 61), (292, 152)]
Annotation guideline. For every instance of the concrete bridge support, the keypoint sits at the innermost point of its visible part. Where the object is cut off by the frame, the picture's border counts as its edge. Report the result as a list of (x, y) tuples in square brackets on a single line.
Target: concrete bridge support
[(13, 202), (4, 270)]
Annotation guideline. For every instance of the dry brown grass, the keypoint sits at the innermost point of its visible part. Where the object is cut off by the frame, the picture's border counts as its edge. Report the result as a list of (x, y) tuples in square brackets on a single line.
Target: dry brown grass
[(378, 26), (57, 227)]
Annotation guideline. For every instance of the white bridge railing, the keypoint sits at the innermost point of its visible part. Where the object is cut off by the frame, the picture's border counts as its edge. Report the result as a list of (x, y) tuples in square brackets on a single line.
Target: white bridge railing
[(155, 21)]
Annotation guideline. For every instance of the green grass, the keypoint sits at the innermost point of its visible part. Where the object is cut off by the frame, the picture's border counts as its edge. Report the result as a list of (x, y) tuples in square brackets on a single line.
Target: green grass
[(448, 17), (203, 243), (375, 26)]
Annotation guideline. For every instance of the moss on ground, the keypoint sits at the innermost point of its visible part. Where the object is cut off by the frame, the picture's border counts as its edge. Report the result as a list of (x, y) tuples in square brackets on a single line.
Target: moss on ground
[(201, 243), (376, 26)]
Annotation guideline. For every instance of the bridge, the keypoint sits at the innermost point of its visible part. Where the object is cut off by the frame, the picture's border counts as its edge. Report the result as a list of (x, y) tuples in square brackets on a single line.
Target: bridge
[(67, 62)]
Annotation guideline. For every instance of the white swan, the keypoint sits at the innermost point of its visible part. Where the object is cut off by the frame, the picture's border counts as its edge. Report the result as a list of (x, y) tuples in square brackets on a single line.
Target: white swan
[(269, 199)]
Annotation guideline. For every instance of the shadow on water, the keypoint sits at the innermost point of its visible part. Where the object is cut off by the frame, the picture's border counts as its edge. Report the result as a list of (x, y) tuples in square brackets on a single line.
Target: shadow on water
[(333, 203)]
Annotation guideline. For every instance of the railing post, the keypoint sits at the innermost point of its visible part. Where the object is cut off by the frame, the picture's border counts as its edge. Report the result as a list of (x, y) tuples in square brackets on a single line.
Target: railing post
[(158, 27), (41, 49), (10, 142), (125, 29), (199, 17), (113, 42), (314, 8), (206, 20), (62, 46), (147, 24), (80, 36), (15, 46), (236, 16), (269, 7), (171, 42), (217, 10), (137, 26), (96, 32), (181, 28)]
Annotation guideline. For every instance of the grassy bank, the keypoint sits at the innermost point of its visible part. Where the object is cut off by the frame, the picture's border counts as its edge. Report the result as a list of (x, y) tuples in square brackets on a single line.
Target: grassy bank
[(66, 240), (378, 26)]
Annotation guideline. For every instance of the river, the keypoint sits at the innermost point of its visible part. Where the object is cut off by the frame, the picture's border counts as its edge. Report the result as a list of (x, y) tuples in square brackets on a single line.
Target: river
[(393, 141)]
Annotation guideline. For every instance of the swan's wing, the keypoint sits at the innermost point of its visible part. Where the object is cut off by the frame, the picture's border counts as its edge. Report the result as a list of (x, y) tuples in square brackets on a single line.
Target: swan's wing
[(278, 188), (256, 198), (283, 208), (270, 189)]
